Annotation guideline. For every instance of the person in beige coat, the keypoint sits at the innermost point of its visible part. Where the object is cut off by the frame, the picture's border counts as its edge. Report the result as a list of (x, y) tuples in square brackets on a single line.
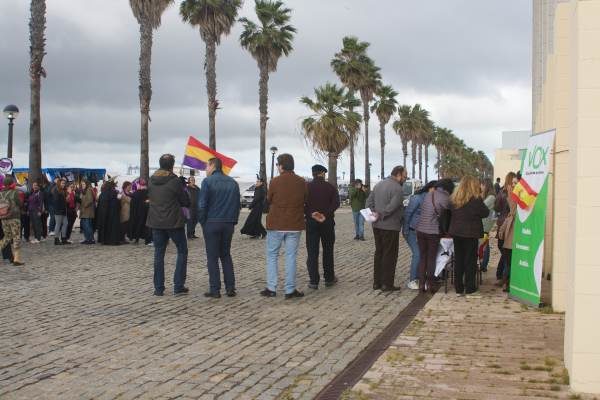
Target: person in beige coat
[(125, 209), (506, 233)]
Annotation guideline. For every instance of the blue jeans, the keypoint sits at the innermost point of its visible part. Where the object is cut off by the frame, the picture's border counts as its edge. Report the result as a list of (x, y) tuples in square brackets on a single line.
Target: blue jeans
[(52, 223), (88, 229), (359, 224), (411, 239), (217, 238), (274, 241), (161, 238), (486, 257)]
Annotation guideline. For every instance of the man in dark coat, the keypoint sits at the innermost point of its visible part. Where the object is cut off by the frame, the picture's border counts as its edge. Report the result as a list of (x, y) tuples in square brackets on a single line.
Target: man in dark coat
[(192, 221), (323, 199), (166, 219), (253, 226)]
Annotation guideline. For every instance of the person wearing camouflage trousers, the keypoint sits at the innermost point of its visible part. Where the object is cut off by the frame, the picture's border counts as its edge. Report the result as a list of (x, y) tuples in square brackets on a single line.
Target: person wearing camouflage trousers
[(11, 219)]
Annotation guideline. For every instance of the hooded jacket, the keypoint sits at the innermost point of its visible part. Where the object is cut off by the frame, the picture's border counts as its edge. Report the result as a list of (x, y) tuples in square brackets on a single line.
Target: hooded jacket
[(167, 197)]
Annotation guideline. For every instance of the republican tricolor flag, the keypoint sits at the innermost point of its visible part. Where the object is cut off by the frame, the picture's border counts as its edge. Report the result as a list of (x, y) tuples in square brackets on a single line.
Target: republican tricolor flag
[(524, 195), (197, 155)]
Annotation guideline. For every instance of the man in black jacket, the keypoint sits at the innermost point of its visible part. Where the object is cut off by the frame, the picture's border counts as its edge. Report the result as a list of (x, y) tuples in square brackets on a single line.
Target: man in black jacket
[(323, 199), (165, 218)]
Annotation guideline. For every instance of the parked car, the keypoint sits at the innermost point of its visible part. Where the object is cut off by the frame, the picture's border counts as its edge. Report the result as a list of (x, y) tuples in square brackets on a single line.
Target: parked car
[(410, 187), (247, 196)]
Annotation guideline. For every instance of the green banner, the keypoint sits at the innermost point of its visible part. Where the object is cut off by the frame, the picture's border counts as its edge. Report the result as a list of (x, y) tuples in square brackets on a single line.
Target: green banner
[(531, 194)]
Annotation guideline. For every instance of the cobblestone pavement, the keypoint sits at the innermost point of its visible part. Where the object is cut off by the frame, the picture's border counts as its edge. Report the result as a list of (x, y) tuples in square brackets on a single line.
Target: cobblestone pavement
[(80, 322), (487, 348)]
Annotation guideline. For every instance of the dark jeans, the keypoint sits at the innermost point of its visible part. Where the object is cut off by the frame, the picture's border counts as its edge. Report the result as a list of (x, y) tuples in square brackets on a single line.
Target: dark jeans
[(71, 217), (465, 264), (501, 261), (44, 224), (52, 223), (507, 254), (386, 256), (191, 226), (36, 222), (161, 238), (320, 234), (88, 229), (217, 238), (25, 226), (428, 249)]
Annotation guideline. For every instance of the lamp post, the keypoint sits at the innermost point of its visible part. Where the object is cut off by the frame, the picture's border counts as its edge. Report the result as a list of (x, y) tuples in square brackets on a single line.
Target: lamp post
[(273, 152), (10, 112)]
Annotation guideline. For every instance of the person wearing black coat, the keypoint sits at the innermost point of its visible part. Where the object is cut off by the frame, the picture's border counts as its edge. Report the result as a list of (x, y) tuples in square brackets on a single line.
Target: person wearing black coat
[(467, 209), (138, 215), (253, 226), (108, 216)]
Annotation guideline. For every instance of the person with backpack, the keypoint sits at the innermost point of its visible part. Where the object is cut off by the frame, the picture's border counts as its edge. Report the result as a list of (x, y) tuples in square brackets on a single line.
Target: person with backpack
[(10, 216)]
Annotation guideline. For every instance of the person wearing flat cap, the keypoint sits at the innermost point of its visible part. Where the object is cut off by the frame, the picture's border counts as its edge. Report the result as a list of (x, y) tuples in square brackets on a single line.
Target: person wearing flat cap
[(322, 201)]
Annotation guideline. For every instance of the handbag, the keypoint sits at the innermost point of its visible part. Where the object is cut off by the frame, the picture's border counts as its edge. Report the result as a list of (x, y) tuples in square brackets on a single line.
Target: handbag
[(443, 218)]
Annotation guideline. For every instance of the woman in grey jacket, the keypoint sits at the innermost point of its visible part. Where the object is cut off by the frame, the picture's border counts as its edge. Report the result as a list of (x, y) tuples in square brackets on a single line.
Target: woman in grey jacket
[(428, 230)]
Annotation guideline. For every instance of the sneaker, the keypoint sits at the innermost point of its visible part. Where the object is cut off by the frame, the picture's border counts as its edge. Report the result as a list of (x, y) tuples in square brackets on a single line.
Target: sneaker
[(34, 241), (413, 285), (17, 263), (231, 293), (181, 292), (313, 286), (331, 283), (51, 234), (158, 293), (268, 293), (460, 294), (294, 294), (474, 295), (356, 237), (212, 295)]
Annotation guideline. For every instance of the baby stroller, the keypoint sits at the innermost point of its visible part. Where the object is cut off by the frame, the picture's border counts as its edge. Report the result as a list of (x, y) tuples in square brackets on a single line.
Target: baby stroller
[(444, 267)]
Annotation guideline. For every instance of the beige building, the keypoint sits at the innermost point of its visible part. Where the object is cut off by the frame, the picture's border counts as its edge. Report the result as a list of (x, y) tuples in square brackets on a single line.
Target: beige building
[(508, 157), (566, 96)]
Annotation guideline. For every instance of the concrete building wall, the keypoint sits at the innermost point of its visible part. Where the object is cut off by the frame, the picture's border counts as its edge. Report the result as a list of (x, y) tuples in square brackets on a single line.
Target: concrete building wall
[(566, 96), (505, 161)]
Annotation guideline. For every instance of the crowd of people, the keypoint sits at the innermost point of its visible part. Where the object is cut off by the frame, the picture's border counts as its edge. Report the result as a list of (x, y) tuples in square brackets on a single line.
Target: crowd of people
[(170, 207)]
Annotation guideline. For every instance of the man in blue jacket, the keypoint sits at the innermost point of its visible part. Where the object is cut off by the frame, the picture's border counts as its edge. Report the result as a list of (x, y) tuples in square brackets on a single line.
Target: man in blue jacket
[(218, 213)]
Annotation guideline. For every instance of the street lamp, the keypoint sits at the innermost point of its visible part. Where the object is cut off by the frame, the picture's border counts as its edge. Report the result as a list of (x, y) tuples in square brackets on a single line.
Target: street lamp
[(11, 112), (273, 151)]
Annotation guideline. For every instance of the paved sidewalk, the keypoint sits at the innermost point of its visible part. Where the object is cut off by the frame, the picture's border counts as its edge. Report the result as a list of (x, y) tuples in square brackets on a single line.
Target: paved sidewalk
[(80, 322), (459, 348)]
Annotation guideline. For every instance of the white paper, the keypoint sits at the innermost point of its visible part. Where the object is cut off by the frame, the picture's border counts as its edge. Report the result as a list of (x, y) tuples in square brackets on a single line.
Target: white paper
[(444, 256), (368, 215)]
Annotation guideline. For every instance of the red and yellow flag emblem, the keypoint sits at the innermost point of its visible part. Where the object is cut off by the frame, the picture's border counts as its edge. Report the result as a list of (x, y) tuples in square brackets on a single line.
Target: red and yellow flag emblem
[(524, 195)]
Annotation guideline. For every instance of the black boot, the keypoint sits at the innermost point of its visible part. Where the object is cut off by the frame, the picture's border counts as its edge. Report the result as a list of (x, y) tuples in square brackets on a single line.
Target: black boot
[(57, 241)]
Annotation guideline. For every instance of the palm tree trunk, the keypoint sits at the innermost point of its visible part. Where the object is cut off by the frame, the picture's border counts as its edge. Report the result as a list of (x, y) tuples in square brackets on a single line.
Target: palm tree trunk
[(263, 94), (37, 27), (211, 90), (332, 167), (426, 162), (382, 143), (414, 158), (145, 94), (352, 168), (420, 161), (366, 117), (352, 144), (405, 152), (439, 160)]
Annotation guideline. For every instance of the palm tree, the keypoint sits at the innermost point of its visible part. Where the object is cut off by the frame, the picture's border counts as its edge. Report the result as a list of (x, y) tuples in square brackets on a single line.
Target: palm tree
[(369, 82), (148, 14), (427, 139), (421, 119), (37, 29), (442, 138), (404, 129), (214, 18), (347, 65), (329, 129), (267, 42), (384, 107)]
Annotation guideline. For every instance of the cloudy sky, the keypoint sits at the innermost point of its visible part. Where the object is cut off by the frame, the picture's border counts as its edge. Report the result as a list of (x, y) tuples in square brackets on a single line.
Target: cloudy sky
[(467, 61)]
